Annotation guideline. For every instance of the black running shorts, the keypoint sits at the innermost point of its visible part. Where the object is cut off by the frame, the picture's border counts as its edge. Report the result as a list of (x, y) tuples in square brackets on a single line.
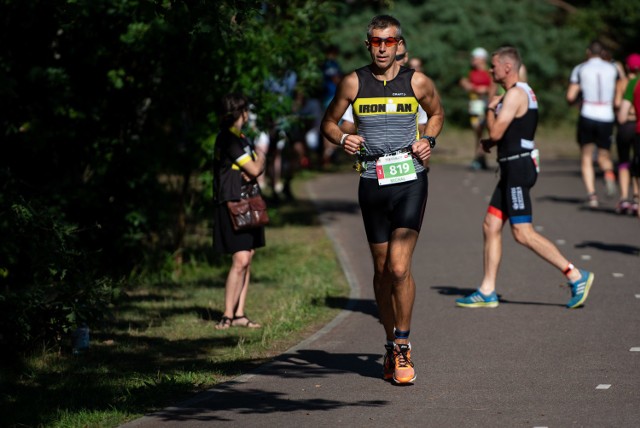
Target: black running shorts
[(386, 208), (624, 142), (511, 199), (593, 131)]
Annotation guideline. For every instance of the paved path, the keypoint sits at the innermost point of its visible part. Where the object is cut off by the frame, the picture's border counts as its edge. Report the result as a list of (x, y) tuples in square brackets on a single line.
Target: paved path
[(528, 363)]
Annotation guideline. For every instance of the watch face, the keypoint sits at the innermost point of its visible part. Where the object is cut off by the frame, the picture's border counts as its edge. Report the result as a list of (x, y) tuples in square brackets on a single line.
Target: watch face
[(431, 140)]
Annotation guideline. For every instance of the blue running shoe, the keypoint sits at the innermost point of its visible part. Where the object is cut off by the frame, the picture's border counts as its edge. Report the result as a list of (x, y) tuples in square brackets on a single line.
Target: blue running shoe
[(478, 300), (580, 289)]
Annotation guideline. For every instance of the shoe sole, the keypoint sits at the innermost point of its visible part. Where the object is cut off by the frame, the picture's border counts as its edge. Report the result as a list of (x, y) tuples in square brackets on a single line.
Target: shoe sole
[(477, 305), (401, 381), (586, 292)]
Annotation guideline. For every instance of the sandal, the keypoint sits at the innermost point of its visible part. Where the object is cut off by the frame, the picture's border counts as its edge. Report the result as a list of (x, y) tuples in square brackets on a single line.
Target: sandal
[(243, 321), (224, 323)]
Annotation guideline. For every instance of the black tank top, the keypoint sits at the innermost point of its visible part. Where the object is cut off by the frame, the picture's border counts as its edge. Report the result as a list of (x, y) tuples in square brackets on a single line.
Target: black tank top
[(386, 114), (519, 136)]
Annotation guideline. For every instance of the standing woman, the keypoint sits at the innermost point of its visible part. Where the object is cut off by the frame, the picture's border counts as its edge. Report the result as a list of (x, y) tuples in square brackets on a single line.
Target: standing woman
[(235, 164)]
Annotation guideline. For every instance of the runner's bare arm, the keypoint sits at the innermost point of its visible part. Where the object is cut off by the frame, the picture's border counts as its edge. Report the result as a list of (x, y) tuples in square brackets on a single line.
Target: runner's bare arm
[(428, 97), (348, 127), (623, 113), (514, 104), (345, 94), (572, 92)]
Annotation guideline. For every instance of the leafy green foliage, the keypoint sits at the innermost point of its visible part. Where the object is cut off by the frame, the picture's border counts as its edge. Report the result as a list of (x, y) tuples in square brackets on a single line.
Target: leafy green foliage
[(616, 23), (443, 33), (107, 117), (50, 286)]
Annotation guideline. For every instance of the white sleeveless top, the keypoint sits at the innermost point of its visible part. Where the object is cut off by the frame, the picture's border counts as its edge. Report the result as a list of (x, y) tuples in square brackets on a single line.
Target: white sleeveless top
[(597, 79)]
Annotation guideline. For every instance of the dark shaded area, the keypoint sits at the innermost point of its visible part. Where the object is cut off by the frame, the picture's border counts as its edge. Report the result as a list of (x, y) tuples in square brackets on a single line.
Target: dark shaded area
[(453, 291), (461, 292), (562, 199), (364, 306), (303, 364), (630, 250)]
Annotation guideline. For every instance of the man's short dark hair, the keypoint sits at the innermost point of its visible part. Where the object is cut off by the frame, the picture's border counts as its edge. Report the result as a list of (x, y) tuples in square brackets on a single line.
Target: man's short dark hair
[(380, 22), (596, 48), (511, 53)]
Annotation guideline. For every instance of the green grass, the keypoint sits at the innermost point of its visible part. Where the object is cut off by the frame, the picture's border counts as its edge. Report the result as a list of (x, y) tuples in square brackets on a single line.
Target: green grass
[(160, 346)]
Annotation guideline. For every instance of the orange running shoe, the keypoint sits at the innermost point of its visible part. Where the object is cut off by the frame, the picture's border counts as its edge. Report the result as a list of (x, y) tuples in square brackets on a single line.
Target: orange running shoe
[(388, 363), (403, 371)]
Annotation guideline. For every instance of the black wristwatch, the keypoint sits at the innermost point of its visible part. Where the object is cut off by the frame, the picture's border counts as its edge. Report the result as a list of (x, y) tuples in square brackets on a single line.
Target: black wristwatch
[(431, 140)]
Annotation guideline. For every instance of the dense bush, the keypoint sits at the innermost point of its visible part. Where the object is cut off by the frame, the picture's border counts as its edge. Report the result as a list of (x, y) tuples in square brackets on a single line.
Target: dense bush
[(49, 285), (107, 118)]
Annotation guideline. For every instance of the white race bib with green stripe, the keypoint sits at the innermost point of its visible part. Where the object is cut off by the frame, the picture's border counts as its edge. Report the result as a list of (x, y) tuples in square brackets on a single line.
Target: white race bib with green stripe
[(394, 169)]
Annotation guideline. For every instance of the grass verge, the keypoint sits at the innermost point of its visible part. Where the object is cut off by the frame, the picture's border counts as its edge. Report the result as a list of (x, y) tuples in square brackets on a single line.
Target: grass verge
[(161, 347)]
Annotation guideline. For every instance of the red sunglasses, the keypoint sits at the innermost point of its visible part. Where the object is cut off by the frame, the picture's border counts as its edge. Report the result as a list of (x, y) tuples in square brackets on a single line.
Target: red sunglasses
[(389, 41)]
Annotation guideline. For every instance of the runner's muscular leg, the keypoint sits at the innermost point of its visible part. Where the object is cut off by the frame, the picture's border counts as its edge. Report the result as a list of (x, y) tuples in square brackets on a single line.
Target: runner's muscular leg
[(588, 175), (401, 247), (492, 231), (382, 288), (525, 235)]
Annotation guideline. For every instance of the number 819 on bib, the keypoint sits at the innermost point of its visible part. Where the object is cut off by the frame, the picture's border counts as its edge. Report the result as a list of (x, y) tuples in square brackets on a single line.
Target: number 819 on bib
[(395, 169)]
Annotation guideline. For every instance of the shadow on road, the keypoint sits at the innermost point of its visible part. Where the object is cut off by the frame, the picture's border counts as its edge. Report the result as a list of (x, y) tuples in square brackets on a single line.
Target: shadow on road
[(562, 199), (318, 364), (315, 365), (365, 306), (455, 291), (619, 248), (515, 302), (211, 404)]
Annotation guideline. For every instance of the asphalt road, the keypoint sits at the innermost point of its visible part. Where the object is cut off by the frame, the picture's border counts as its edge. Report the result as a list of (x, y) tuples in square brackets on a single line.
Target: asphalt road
[(528, 363)]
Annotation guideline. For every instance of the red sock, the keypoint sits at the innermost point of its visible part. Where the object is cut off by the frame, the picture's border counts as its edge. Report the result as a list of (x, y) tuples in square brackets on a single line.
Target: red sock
[(568, 269)]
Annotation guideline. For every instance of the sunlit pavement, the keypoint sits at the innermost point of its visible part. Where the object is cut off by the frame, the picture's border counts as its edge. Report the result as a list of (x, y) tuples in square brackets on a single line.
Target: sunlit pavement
[(528, 363)]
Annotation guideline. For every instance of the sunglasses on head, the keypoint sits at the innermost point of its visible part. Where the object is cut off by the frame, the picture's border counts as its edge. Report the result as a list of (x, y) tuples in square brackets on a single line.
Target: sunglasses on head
[(401, 56), (389, 41)]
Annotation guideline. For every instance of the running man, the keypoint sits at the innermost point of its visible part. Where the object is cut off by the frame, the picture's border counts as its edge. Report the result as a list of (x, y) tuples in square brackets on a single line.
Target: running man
[(596, 79), (393, 184), (512, 120)]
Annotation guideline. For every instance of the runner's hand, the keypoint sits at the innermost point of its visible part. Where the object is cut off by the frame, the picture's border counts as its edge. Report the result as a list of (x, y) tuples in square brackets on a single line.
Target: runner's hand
[(421, 149), (352, 144), (487, 143)]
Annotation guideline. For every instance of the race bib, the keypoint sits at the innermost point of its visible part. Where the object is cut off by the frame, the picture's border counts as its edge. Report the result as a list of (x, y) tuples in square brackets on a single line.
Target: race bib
[(394, 169)]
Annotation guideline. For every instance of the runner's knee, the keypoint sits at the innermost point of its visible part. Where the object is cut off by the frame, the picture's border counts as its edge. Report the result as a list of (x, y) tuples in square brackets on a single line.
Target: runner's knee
[(522, 235), (398, 271)]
